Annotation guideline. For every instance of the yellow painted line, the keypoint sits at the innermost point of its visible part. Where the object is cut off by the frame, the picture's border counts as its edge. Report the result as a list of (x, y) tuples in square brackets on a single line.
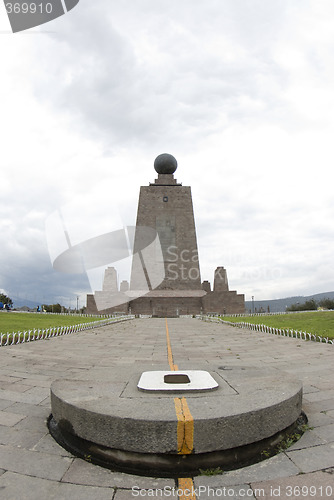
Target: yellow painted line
[(169, 351), (180, 424), (186, 487), (185, 429)]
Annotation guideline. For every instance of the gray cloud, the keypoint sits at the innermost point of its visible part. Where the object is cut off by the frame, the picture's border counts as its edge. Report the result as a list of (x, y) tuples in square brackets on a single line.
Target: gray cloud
[(168, 70), (241, 93)]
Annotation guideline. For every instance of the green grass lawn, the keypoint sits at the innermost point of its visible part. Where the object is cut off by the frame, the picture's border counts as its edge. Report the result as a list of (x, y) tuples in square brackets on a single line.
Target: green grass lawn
[(317, 322), (19, 322)]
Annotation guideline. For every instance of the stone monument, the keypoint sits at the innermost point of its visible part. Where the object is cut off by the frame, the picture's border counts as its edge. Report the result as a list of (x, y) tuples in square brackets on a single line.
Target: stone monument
[(173, 422), (165, 207)]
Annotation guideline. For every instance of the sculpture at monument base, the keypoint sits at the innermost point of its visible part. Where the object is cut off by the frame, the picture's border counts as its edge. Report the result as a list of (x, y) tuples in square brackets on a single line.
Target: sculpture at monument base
[(170, 303), (165, 275)]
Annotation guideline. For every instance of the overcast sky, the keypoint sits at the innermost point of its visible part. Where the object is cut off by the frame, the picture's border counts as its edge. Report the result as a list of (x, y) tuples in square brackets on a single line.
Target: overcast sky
[(241, 92)]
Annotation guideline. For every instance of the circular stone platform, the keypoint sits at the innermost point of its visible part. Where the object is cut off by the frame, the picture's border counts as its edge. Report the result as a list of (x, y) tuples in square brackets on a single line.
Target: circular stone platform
[(117, 425)]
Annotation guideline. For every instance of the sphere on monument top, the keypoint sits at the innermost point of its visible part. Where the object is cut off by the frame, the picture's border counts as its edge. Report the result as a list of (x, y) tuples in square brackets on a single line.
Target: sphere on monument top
[(165, 164)]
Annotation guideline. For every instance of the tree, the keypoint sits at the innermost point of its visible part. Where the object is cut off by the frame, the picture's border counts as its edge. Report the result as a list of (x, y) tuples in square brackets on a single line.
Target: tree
[(55, 308), (5, 300), (327, 303), (309, 305)]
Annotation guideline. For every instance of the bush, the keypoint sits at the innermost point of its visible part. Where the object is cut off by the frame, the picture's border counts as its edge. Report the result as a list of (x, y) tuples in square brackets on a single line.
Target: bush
[(312, 305), (309, 305), (55, 308), (5, 300), (326, 303)]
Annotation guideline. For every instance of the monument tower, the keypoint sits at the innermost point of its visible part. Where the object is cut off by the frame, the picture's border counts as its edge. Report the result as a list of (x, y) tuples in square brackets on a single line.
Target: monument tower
[(165, 275), (166, 206)]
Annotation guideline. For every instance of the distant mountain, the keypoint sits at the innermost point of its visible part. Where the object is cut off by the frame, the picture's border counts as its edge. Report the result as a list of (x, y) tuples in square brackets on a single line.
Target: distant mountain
[(275, 305), (280, 305), (18, 303)]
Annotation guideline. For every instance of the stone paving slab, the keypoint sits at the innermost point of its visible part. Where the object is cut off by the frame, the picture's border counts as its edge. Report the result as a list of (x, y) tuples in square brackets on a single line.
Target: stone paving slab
[(22, 397), (5, 404), (307, 486), (326, 432), (273, 468), (12, 436), (9, 419), (46, 444), (314, 458), (319, 419), (17, 387), (237, 492), (32, 465), (81, 472), (308, 440), (15, 486), (28, 409)]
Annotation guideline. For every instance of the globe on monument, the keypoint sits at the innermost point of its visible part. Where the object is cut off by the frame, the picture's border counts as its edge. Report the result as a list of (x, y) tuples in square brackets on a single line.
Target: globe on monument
[(165, 164)]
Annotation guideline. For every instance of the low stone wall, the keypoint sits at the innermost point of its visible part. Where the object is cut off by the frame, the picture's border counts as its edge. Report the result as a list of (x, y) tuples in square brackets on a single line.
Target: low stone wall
[(213, 302), (228, 302)]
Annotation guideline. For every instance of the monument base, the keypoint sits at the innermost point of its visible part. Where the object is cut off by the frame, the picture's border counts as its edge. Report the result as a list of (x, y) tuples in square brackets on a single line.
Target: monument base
[(173, 466), (116, 425), (174, 303)]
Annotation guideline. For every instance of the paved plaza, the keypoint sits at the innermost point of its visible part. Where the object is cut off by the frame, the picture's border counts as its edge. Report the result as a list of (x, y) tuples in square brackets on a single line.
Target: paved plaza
[(34, 466)]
